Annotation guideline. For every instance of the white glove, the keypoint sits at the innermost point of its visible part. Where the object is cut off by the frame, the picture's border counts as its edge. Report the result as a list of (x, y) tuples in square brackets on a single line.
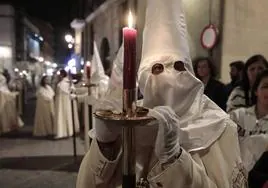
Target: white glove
[(167, 143), (104, 131)]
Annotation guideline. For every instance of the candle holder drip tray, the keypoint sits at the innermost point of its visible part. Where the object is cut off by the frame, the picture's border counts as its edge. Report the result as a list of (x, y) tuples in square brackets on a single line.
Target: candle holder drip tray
[(141, 117)]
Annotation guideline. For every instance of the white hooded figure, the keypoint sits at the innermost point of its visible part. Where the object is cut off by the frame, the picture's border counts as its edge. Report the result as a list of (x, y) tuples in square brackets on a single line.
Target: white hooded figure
[(9, 119), (192, 143), (63, 125), (45, 109), (98, 76)]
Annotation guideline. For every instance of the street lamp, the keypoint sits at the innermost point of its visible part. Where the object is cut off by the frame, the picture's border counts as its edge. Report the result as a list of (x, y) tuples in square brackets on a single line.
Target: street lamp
[(69, 38), (70, 46)]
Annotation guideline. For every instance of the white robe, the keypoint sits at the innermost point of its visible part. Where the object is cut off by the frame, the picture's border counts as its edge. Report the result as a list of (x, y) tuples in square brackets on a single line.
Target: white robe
[(253, 135), (63, 119), (9, 119), (218, 166), (45, 112)]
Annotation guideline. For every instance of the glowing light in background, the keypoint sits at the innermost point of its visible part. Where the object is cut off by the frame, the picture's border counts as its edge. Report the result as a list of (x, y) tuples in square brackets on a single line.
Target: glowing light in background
[(50, 71), (54, 65), (73, 70), (16, 70), (70, 46), (82, 62), (48, 63), (67, 68), (5, 52), (71, 62), (41, 59), (68, 38)]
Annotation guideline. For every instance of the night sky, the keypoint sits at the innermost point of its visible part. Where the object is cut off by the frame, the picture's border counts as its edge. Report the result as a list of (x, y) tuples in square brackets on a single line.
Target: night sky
[(59, 13)]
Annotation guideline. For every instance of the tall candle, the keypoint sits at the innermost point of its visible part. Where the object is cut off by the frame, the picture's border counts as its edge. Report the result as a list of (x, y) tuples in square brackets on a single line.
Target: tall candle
[(88, 70), (129, 73)]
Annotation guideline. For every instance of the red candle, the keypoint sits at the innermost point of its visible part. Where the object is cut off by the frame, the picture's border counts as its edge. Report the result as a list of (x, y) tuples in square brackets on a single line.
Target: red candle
[(88, 70), (129, 73)]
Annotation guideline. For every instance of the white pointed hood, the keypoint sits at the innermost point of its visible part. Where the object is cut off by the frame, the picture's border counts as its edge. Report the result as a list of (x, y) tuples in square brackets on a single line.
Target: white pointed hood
[(98, 76), (115, 86), (165, 42), (117, 70), (165, 32), (97, 70)]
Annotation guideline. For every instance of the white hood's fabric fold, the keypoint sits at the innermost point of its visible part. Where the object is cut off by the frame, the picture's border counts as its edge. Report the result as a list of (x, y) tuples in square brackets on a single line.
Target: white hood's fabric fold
[(165, 42), (116, 80), (165, 33), (98, 76), (112, 100), (97, 70)]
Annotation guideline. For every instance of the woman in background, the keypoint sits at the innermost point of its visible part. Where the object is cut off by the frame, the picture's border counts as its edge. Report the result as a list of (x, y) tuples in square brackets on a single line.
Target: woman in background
[(241, 95), (44, 113), (252, 125), (214, 89)]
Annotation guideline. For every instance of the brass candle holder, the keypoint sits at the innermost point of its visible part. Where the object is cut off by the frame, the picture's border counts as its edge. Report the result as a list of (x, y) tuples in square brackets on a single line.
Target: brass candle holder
[(140, 118)]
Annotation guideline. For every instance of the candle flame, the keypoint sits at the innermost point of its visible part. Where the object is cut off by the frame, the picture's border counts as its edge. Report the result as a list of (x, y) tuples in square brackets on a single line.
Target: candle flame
[(130, 20)]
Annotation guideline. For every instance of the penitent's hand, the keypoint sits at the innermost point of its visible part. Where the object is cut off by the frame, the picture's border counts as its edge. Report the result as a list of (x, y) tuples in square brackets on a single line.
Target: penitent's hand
[(167, 143)]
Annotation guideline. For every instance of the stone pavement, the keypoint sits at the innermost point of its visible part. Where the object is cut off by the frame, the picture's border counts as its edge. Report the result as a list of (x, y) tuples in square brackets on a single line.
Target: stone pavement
[(26, 162)]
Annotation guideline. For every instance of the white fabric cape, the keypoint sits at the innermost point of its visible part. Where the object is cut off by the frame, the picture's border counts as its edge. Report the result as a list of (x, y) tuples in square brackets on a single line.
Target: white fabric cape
[(63, 116)]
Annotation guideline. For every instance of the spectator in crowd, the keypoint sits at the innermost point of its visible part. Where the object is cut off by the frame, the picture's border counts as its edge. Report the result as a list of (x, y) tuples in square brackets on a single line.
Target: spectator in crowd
[(253, 131), (214, 89), (236, 70), (241, 95), (44, 113)]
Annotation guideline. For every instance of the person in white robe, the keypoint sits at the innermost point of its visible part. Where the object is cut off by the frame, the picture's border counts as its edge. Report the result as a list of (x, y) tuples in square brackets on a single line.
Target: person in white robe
[(45, 109), (253, 131), (192, 143), (63, 126), (9, 118)]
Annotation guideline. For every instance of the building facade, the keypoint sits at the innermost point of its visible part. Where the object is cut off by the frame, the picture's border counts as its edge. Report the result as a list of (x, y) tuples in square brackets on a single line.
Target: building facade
[(7, 37), (23, 40), (238, 23)]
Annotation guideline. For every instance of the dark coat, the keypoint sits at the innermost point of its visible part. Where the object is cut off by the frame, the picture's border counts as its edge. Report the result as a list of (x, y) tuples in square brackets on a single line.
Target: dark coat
[(217, 92), (259, 174)]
